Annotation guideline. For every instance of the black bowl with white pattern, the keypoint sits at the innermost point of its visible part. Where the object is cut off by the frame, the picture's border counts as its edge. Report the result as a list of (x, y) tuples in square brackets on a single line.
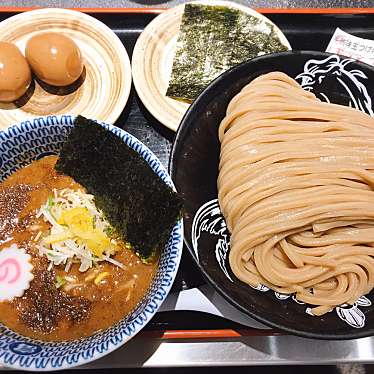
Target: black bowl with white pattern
[(194, 169)]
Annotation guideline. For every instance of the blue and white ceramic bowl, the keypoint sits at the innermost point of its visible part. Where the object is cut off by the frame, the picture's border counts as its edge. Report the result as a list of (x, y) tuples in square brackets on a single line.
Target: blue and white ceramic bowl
[(19, 145)]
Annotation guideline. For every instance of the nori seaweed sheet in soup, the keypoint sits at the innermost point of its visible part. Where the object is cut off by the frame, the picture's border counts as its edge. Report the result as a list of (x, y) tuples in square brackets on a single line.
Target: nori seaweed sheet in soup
[(136, 202)]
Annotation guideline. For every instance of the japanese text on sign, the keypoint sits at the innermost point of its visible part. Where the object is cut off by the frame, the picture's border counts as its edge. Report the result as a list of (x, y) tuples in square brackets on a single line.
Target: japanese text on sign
[(351, 46)]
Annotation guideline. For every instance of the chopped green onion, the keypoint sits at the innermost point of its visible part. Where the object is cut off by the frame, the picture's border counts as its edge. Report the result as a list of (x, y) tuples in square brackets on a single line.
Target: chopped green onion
[(50, 202), (60, 281), (109, 231)]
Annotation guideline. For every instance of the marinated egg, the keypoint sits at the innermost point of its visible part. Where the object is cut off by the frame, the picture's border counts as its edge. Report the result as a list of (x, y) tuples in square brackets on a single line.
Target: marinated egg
[(15, 74), (54, 58)]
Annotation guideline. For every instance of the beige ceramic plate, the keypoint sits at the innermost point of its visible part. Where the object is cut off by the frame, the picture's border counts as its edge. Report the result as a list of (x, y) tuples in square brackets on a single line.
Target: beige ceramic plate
[(107, 76), (152, 62)]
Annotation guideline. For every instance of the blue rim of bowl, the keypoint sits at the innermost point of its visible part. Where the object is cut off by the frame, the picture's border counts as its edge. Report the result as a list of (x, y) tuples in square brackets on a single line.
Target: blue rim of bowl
[(176, 238)]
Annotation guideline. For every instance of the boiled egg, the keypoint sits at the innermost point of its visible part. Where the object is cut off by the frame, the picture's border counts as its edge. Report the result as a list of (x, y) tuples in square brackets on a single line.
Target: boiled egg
[(54, 58), (15, 74)]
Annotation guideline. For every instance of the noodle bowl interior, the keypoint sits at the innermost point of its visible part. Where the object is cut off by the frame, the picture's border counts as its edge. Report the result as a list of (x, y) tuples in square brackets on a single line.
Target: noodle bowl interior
[(295, 186)]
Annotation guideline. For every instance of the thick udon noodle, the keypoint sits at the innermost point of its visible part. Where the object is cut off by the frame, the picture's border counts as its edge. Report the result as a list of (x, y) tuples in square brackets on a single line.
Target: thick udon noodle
[(295, 185)]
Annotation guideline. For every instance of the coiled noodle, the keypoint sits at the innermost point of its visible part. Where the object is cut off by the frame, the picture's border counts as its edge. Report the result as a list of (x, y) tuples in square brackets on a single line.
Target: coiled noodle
[(295, 186)]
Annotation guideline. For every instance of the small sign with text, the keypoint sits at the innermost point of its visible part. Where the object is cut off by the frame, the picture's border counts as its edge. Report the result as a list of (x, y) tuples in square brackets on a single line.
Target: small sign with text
[(351, 46)]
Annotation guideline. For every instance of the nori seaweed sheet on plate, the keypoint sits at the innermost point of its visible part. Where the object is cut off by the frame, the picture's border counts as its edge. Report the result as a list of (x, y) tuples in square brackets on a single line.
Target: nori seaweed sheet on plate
[(211, 40)]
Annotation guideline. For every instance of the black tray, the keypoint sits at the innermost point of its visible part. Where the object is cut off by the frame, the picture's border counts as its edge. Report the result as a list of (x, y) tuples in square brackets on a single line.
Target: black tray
[(308, 31)]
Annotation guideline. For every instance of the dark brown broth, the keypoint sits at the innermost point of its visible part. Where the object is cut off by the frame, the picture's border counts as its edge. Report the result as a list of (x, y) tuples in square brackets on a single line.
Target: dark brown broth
[(81, 307)]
